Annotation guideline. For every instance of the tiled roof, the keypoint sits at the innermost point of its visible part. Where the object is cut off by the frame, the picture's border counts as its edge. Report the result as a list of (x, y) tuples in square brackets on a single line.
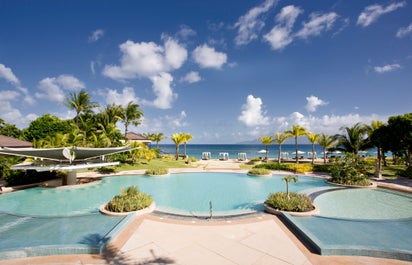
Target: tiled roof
[(6, 141), (136, 137)]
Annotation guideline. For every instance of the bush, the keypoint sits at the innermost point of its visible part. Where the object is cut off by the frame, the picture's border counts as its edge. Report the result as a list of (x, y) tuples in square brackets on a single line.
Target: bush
[(106, 170), (259, 171), (157, 171), (407, 172), (299, 168), (19, 177), (321, 168), (296, 202), (349, 170), (129, 200)]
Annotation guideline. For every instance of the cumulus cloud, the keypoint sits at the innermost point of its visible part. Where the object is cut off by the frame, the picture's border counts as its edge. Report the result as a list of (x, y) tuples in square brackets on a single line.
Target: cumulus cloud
[(121, 98), (405, 31), (387, 68), (252, 113), (146, 59), (168, 123), (317, 24), (313, 103), (163, 91), (7, 74), (208, 57), (250, 24), (96, 35), (280, 35), (54, 88), (185, 32), (191, 77), (371, 13)]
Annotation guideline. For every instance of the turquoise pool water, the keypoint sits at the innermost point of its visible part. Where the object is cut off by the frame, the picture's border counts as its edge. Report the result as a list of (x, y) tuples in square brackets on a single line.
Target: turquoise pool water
[(184, 193)]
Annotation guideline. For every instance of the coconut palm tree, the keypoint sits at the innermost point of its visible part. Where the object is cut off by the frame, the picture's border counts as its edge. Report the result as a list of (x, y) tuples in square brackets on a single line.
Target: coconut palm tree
[(155, 137), (186, 138), (296, 132), (178, 139), (326, 141), (280, 138), (371, 129), (131, 115), (266, 140), (287, 180), (81, 103), (354, 139), (313, 138)]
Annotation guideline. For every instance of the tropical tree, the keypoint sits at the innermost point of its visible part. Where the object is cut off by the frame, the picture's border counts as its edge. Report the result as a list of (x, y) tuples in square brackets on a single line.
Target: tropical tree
[(186, 138), (374, 126), (131, 116), (46, 126), (296, 132), (266, 140), (400, 141), (287, 180), (313, 138), (9, 129), (111, 114), (280, 138), (157, 137), (81, 103), (178, 139), (326, 141), (354, 139)]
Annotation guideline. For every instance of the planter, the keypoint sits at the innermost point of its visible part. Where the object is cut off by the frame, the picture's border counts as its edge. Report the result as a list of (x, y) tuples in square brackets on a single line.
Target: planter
[(274, 211), (146, 210), (256, 175), (372, 185)]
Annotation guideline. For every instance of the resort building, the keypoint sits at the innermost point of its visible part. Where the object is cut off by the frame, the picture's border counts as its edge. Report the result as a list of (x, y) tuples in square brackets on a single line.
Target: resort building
[(136, 137), (6, 141)]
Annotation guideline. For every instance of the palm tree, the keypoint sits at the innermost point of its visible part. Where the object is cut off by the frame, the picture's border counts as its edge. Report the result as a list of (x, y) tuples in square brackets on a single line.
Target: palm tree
[(326, 141), (112, 114), (155, 137), (354, 139), (313, 138), (267, 140), (296, 132), (131, 115), (287, 180), (178, 139), (280, 138), (81, 103), (186, 138), (375, 125)]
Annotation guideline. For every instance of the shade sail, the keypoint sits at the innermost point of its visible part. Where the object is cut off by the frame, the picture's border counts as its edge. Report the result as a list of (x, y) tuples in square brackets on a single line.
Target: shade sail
[(58, 154)]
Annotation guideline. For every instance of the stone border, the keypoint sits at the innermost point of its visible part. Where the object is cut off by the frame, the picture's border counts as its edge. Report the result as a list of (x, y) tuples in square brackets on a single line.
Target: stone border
[(256, 175), (274, 211), (372, 185), (146, 210)]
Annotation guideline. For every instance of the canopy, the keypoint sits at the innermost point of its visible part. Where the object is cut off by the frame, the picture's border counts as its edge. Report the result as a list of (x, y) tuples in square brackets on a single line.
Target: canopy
[(263, 151), (299, 153), (62, 154)]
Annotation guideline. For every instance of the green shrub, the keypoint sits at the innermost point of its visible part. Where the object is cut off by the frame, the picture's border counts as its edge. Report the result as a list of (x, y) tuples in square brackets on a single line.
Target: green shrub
[(106, 170), (129, 200), (349, 170), (299, 168), (157, 171), (296, 203), (19, 177), (407, 172), (321, 167), (259, 171), (272, 166)]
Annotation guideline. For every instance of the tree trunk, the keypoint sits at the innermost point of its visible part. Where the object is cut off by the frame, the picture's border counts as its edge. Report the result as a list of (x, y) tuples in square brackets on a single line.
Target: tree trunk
[(280, 152), (296, 153), (378, 166)]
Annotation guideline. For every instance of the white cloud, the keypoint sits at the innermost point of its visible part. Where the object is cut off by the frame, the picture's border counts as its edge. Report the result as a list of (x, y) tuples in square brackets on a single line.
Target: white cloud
[(121, 98), (252, 114), (7, 74), (96, 35), (386, 68), (191, 77), (280, 35), (371, 13), (146, 59), (317, 24), (168, 124), (313, 103), (53, 88), (405, 31), (250, 24), (208, 57), (185, 32), (163, 91)]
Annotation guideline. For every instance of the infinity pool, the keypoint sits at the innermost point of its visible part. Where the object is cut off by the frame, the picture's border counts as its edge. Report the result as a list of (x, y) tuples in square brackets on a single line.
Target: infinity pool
[(184, 193)]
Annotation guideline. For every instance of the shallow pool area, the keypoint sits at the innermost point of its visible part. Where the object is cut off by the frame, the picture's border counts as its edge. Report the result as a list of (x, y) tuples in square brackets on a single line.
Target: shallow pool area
[(364, 222)]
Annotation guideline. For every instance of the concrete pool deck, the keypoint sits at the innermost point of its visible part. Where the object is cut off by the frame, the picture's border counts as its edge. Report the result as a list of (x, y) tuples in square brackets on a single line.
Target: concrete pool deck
[(257, 239)]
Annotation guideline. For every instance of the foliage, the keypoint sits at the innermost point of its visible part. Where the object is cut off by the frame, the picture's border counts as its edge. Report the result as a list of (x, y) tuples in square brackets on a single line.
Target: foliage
[(296, 132), (178, 139), (106, 170), (287, 180), (131, 115), (46, 126), (9, 130), (326, 141), (280, 138), (407, 172), (349, 170), (354, 139), (129, 200), (298, 168), (321, 168), (266, 141), (296, 202), (259, 171), (157, 171), (18, 177)]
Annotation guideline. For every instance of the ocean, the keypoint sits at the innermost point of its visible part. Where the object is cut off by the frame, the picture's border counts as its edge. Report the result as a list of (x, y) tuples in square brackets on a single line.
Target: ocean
[(251, 150)]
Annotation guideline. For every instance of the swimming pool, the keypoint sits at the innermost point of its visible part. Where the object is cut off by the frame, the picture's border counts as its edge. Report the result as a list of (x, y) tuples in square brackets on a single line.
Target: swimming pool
[(184, 193)]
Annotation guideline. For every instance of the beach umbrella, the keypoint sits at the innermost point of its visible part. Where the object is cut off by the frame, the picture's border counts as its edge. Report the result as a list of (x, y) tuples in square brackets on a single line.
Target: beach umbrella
[(299, 153), (263, 151)]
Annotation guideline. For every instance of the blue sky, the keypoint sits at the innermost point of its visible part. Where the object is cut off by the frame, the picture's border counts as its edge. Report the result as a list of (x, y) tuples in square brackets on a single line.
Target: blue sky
[(223, 71)]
